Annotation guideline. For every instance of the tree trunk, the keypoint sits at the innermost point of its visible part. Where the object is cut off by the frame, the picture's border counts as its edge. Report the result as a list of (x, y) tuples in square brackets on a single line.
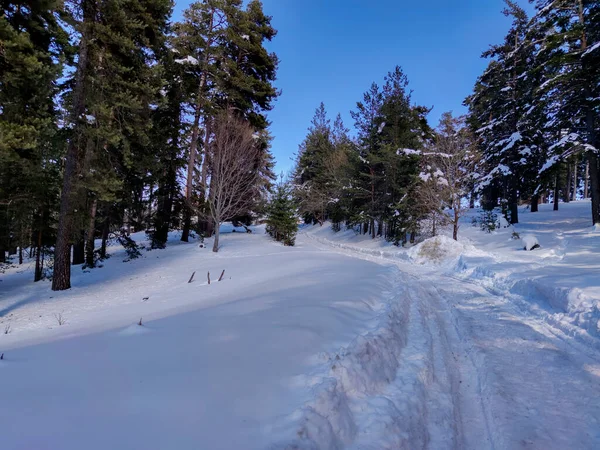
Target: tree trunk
[(163, 216), (61, 278), (195, 133), (535, 199), (595, 187), (79, 250), (2, 253), (20, 255), (514, 206), (204, 223), (456, 226), (567, 189), (472, 201), (591, 129), (575, 180), (372, 225), (556, 191), (89, 243), (217, 233), (105, 232), (38, 261), (187, 221), (586, 180)]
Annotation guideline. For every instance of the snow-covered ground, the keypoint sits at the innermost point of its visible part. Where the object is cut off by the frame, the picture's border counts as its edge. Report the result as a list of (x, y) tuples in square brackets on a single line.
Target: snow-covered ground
[(340, 342)]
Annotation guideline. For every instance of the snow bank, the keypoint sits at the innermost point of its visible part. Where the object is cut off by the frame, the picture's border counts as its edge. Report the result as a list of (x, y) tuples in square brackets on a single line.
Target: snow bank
[(364, 368), (558, 283), (350, 240)]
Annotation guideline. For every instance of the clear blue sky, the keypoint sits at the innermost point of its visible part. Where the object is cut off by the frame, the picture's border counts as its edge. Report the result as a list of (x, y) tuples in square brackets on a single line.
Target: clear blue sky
[(332, 50)]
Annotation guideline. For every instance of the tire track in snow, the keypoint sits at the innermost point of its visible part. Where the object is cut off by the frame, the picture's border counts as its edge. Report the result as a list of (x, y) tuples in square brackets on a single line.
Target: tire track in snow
[(424, 405)]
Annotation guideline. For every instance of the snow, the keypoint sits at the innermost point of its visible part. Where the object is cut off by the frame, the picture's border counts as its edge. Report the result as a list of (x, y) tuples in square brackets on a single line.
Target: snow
[(187, 60), (220, 364), (381, 127), (529, 242), (550, 163), (408, 152), (511, 141), (342, 342), (425, 176), (591, 49)]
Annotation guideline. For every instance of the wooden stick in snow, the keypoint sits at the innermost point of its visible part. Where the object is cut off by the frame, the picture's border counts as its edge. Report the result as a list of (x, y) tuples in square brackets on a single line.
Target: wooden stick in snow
[(192, 277), (222, 273), (208, 277)]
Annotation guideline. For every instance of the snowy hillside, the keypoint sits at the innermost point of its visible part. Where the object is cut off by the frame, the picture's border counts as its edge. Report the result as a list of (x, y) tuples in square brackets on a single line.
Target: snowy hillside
[(339, 342)]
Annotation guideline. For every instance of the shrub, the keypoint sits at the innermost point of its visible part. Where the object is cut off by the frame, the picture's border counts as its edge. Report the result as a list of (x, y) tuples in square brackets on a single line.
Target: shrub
[(488, 221), (131, 247)]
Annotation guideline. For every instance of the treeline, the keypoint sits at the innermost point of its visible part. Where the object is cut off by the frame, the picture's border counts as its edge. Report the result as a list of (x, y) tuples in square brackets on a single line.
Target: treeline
[(531, 134), (395, 175), (535, 108), (114, 120)]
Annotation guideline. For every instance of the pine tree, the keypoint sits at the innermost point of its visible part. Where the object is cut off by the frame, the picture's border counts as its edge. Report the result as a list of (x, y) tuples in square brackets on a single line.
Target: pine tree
[(167, 138), (282, 223), (33, 47), (569, 59), (310, 176), (503, 112), (222, 45), (109, 108), (390, 131)]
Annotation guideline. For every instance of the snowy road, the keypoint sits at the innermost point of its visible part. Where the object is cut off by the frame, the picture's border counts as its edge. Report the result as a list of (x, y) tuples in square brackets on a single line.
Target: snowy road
[(479, 372), (317, 347)]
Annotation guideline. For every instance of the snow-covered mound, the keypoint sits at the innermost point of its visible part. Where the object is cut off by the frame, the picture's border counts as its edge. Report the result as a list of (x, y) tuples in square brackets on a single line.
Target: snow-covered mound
[(437, 250), (530, 242)]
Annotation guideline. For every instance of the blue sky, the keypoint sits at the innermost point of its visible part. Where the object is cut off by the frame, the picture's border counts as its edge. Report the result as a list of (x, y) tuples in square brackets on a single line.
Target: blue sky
[(332, 50)]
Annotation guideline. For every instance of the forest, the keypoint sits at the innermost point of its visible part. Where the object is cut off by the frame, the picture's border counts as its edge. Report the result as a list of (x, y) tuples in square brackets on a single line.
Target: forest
[(530, 136), (115, 119)]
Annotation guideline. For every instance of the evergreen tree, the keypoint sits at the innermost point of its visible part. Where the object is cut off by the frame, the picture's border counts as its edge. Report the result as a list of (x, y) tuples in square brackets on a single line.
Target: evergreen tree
[(390, 132), (33, 48), (569, 59), (282, 223), (113, 87), (167, 139), (502, 111), (311, 176), (222, 45)]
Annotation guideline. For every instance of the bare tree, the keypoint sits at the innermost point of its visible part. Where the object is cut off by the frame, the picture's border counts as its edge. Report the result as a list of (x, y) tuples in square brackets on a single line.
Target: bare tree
[(450, 165), (233, 173)]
